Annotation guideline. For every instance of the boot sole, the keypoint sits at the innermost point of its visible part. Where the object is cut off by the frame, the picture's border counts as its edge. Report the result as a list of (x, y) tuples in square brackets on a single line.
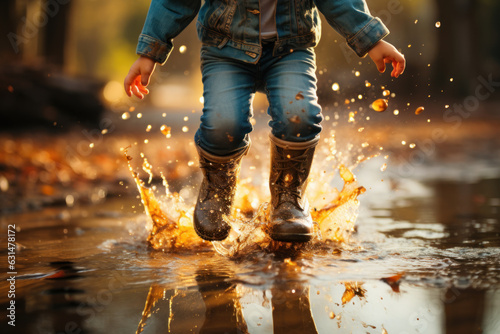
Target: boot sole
[(291, 237), (209, 238)]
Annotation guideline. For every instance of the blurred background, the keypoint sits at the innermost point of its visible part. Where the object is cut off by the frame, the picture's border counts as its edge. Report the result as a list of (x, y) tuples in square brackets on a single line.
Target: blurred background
[(65, 115), (85, 47)]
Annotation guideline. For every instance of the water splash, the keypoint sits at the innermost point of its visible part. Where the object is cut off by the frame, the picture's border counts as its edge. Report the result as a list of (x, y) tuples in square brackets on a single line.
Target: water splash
[(352, 289), (171, 228), (336, 219)]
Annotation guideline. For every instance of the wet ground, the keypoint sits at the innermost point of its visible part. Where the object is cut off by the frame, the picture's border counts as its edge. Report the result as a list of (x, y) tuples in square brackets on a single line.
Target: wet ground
[(419, 252)]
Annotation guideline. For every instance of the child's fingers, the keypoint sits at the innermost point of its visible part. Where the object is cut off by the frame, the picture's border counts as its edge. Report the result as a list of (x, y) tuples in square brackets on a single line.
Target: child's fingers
[(394, 72), (138, 83), (397, 65), (398, 68), (380, 63), (140, 88), (401, 66), (143, 89), (137, 92), (128, 91), (127, 84)]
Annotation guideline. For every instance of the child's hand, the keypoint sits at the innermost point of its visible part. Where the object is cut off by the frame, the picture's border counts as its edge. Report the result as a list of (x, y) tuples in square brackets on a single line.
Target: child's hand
[(138, 77), (383, 53)]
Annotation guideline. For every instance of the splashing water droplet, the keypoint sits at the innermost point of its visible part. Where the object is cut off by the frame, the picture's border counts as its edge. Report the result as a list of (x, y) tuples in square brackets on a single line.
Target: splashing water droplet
[(182, 49), (419, 110), (185, 129), (438, 24), (146, 166), (380, 105), (351, 117), (346, 174), (383, 168), (166, 130), (126, 115), (335, 87)]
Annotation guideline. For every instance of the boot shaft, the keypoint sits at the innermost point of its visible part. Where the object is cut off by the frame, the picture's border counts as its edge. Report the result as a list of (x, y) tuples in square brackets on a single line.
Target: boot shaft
[(215, 200), (290, 166), (220, 174)]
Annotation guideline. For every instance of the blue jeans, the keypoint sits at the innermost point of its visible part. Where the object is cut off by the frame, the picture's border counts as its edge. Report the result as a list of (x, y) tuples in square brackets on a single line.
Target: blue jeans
[(230, 85)]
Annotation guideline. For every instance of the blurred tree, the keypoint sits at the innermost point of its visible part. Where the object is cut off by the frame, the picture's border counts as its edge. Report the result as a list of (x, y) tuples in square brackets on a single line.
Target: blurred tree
[(55, 33), (34, 29), (458, 53), (467, 43), (7, 25)]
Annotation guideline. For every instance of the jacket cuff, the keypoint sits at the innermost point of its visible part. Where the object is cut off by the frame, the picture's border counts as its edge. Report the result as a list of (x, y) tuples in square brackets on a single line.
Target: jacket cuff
[(368, 36), (153, 48)]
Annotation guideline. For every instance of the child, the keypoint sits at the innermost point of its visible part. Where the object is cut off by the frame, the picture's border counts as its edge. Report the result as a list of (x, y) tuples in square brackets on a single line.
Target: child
[(249, 46)]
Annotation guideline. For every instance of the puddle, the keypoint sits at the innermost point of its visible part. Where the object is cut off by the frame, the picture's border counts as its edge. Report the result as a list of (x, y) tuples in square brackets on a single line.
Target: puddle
[(415, 253)]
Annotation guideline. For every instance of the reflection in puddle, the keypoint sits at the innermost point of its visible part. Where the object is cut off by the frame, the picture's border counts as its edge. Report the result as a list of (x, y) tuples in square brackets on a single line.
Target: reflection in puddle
[(221, 305)]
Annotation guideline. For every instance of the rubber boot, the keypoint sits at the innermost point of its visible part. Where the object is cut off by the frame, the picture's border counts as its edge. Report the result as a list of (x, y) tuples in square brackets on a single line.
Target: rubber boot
[(216, 195), (290, 165)]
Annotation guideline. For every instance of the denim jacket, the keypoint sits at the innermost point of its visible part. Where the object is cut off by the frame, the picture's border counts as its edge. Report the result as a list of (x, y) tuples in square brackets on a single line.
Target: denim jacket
[(233, 26)]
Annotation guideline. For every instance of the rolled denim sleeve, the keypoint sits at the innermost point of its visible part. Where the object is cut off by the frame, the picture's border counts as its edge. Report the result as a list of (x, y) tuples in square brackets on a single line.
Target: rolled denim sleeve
[(165, 20), (352, 19)]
